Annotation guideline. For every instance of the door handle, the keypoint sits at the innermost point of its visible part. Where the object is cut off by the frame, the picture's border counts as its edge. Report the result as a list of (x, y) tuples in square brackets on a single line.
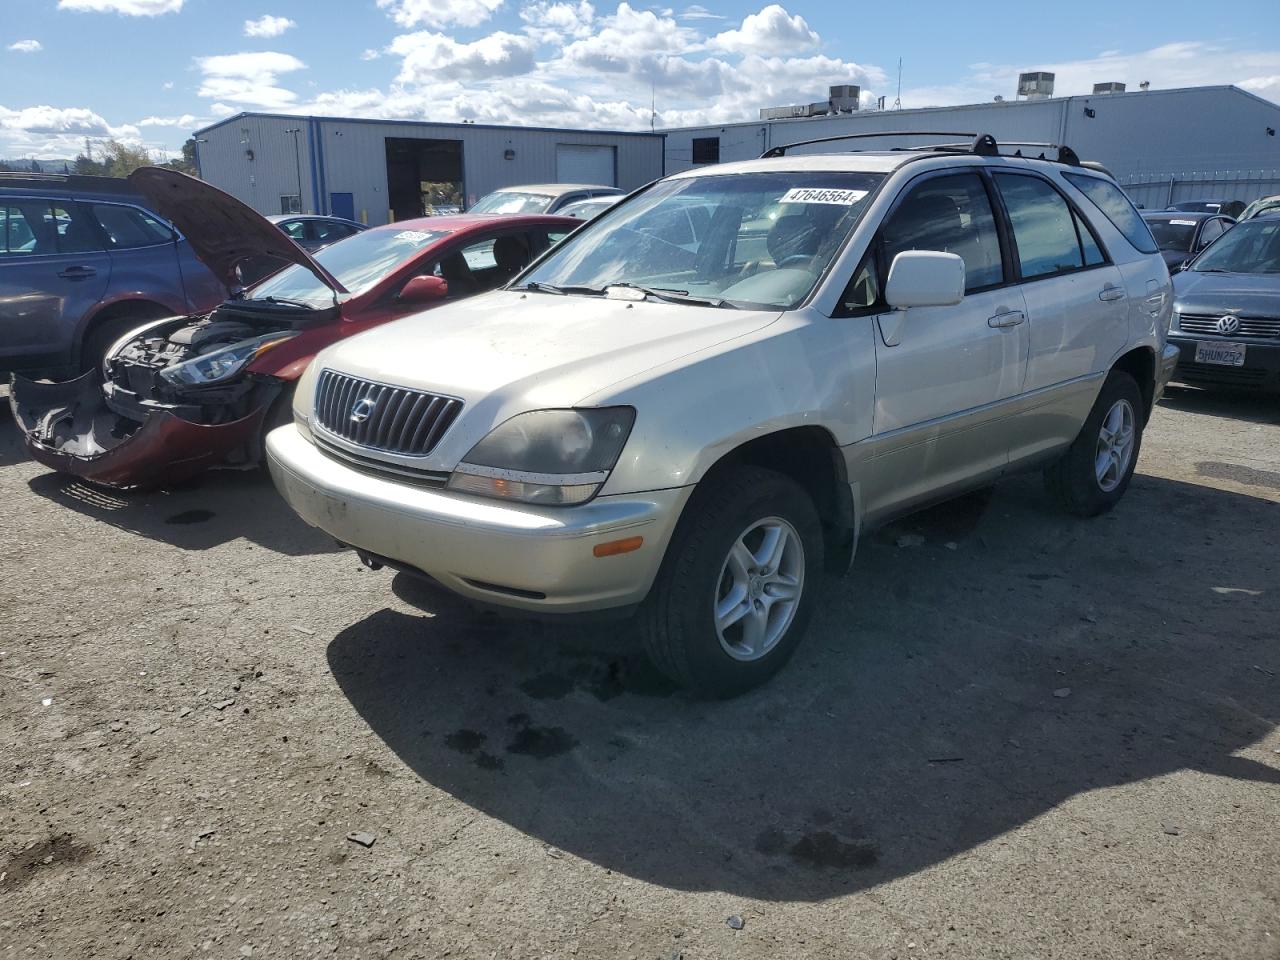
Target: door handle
[(1010, 319), (77, 273), (1111, 292)]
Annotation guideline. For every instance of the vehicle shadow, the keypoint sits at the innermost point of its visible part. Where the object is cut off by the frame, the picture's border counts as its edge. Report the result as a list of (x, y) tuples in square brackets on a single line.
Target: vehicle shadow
[(1234, 405), (212, 509), (977, 669)]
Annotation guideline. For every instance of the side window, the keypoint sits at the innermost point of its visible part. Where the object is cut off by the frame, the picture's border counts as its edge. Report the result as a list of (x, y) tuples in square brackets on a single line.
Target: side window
[(1043, 228), (555, 236), (479, 256), (20, 226), (76, 232), (1117, 207), (1093, 255), (326, 232), (951, 214), (294, 229), (129, 227), (1212, 231), (863, 291)]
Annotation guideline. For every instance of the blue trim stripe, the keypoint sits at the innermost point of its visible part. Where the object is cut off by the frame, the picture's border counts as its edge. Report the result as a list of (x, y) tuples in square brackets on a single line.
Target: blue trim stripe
[(311, 161), (323, 205)]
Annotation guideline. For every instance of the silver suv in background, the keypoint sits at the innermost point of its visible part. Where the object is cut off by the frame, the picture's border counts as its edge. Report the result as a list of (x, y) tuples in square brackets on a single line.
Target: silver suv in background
[(82, 262), (696, 431)]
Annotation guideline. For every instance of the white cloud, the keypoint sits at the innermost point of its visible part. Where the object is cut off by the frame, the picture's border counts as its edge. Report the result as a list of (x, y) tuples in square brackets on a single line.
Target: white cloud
[(371, 54), (186, 120), (432, 57), (551, 21), (47, 131), (628, 35), (771, 31), (267, 26), (167, 85), (440, 13), (130, 8), (248, 78), (26, 46), (698, 12)]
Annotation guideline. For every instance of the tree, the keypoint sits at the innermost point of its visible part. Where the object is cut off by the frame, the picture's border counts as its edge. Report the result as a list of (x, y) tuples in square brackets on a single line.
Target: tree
[(117, 159), (187, 163)]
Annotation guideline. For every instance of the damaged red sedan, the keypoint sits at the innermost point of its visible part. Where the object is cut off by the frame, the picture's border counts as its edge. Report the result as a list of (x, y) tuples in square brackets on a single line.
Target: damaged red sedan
[(183, 394)]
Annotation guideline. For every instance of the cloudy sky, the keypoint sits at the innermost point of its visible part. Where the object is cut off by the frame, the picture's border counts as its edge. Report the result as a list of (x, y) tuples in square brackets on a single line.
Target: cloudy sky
[(151, 71)]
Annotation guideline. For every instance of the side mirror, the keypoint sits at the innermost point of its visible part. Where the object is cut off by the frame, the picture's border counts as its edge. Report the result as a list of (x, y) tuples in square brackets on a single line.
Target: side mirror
[(426, 289), (925, 278)]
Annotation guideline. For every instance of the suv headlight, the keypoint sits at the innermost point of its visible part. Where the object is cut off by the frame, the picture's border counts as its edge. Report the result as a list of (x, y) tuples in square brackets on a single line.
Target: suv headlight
[(551, 457), (219, 365)]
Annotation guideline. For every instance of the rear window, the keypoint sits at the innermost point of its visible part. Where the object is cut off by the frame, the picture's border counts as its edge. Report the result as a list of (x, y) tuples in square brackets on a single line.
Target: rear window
[(129, 227), (1117, 208)]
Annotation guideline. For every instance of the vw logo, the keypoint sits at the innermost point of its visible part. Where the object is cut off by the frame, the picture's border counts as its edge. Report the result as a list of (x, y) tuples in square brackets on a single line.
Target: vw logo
[(363, 409), (1228, 325)]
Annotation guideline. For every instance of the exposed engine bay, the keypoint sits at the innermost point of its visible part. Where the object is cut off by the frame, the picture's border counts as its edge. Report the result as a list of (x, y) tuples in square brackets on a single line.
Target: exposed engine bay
[(91, 417)]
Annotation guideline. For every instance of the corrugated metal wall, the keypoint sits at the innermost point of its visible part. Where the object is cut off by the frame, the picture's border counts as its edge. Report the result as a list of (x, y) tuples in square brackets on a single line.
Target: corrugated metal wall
[(1210, 141), (349, 156)]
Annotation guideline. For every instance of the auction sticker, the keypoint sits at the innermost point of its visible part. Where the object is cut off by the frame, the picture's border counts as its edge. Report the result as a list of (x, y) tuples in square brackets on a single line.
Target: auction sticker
[(413, 236), (843, 198), (1183, 223)]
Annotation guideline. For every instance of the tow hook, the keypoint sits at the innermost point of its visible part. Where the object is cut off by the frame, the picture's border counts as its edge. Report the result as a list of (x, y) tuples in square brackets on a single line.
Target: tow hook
[(367, 560)]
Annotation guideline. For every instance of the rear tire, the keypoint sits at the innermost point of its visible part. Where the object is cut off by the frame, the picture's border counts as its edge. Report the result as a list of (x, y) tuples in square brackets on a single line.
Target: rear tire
[(1094, 473), (738, 584)]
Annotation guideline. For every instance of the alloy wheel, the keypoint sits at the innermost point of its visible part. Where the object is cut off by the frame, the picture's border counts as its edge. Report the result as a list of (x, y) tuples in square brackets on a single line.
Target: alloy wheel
[(1115, 445), (758, 592)]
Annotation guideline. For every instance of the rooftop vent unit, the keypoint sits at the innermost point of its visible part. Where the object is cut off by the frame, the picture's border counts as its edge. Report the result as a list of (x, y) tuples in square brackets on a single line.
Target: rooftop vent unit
[(1037, 85), (1112, 87), (845, 98)]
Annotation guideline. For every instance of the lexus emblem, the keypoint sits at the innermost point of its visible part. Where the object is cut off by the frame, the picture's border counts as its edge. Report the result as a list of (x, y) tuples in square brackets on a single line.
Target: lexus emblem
[(363, 409), (1228, 325)]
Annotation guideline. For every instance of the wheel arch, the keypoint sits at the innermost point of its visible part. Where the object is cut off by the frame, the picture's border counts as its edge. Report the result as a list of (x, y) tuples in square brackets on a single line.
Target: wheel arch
[(810, 456), (142, 308), (1140, 363)]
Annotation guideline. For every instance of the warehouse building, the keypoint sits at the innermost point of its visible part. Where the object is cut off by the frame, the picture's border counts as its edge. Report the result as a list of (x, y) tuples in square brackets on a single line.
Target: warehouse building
[(378, 171), (1162, 145)]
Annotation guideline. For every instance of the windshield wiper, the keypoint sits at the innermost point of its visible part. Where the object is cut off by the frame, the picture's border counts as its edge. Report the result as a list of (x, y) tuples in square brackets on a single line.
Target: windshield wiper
[(539, 287), (284, 302), (668, 295)]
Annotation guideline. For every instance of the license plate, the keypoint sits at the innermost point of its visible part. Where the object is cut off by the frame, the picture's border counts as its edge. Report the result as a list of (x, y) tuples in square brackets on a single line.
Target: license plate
[(1227, 354)]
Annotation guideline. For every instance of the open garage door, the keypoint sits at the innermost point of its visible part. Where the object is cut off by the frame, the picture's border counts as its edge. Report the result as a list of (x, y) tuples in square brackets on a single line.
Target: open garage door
[(584, 163)]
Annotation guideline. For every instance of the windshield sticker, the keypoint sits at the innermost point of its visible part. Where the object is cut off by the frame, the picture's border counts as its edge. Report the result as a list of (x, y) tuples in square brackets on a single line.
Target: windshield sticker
[(1183, 223), (413, 236), (843, 198)]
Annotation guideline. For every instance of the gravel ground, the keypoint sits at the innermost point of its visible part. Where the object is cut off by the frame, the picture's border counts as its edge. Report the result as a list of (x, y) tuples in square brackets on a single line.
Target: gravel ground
[(1009, 734)]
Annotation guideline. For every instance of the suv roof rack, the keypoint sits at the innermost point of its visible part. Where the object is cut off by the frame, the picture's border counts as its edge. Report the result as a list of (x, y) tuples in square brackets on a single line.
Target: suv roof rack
[(19, 179), (979, 144)]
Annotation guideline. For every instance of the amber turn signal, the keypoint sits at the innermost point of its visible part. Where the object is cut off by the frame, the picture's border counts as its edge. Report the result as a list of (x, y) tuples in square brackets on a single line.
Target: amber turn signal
[(615, 547)]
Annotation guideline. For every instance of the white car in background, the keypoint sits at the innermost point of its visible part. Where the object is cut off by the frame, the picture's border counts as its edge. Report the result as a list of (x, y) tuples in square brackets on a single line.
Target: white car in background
[(540, 197), (695, 427), (588, 209)]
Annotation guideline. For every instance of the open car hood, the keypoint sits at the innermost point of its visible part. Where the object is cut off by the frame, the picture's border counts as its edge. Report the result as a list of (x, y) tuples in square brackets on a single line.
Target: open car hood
[(222, 231)]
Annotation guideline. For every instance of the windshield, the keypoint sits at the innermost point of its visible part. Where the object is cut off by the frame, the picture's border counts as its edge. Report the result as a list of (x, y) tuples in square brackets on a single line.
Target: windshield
[(358, 262), (1172, 234), (1249, 247), (1197, 206), (748, 239), (510, 201)]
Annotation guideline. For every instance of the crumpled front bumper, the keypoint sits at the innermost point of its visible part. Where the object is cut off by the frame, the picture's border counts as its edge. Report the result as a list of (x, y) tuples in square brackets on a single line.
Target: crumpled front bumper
[(69, 428)]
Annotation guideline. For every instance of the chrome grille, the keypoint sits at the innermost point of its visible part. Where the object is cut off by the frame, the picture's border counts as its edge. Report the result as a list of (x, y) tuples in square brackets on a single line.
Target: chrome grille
[(381, 417), (1249, 326)]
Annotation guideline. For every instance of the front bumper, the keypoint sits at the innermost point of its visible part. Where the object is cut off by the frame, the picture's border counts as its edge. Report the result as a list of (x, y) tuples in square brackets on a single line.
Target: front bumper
[(69, 428), (1261, 370), (513, 555)]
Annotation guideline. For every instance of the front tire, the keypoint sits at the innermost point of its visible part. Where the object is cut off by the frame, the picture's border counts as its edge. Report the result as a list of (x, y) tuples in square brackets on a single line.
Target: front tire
[(737, 587), (1094, 473)]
